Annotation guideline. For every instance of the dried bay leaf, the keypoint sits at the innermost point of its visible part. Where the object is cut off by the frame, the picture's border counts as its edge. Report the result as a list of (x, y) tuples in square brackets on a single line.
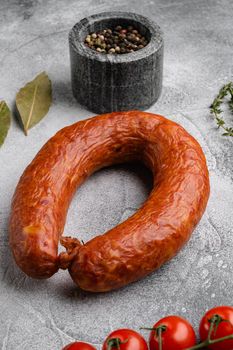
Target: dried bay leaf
[(33, 101), (5, 121)]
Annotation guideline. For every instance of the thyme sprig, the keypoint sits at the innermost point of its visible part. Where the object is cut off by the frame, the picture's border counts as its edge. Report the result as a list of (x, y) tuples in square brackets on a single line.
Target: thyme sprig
[(216, 110)]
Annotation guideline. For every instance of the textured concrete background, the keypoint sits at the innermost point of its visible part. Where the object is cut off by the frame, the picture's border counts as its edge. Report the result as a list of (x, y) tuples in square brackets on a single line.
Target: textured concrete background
[(198, 60)]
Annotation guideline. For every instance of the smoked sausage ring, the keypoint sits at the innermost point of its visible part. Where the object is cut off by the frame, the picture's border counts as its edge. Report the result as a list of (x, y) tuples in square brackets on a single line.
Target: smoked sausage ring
[(139, 245)]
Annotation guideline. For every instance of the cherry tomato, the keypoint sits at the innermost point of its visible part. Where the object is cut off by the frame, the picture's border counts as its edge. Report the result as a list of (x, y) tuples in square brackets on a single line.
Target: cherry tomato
[(178, 334), (125, 339), (223, 329), (78, 345)]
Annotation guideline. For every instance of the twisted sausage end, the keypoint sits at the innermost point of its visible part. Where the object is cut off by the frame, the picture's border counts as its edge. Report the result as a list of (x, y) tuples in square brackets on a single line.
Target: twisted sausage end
[(72, 246)]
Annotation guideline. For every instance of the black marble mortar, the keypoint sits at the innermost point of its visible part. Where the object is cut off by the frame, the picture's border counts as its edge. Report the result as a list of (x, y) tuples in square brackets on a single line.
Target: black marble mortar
[(115, 82)]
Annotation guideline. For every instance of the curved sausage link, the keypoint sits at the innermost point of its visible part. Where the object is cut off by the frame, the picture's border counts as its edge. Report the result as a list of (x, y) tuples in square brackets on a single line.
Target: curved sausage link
[(139, 245)]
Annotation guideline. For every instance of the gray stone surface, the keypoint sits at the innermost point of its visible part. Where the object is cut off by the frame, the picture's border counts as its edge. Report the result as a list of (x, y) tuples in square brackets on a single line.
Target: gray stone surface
[(106, 83), (198, 60)]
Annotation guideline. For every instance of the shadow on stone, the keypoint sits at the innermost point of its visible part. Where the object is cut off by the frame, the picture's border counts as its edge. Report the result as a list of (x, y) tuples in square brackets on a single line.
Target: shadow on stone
[(62, 93)]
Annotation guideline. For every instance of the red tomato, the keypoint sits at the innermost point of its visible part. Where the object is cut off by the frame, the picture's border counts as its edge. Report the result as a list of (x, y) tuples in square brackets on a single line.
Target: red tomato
[(127, 340), (178, 334), (78, 345), (223, 329)]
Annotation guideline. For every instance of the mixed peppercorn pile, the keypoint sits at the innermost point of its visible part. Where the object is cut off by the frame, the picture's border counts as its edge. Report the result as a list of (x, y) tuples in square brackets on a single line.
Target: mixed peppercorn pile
[(116, 41)]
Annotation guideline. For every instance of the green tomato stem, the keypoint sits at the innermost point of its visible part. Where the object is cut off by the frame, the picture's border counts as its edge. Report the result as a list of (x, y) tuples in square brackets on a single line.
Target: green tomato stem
[(158, 333), (115, 343), (210, 342), (160, 330), (212, 323)]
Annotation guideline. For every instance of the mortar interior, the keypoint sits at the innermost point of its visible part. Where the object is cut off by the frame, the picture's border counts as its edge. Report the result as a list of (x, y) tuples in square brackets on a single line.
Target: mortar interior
[(111, 23)]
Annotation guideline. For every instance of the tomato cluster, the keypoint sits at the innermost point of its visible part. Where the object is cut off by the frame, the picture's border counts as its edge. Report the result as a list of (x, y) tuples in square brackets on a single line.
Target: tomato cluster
[(174, 333)]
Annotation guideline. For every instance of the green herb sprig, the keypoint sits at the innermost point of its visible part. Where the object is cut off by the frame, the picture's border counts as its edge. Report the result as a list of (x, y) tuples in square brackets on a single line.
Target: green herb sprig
[(216, 110)]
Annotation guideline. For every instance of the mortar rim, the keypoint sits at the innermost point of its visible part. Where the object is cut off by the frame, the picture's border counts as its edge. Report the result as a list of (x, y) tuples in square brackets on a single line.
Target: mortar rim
[(155, 43)]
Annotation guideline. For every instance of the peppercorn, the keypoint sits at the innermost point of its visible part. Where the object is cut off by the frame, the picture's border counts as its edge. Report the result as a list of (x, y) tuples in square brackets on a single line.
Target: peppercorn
[(117, 40), (112, 50)]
